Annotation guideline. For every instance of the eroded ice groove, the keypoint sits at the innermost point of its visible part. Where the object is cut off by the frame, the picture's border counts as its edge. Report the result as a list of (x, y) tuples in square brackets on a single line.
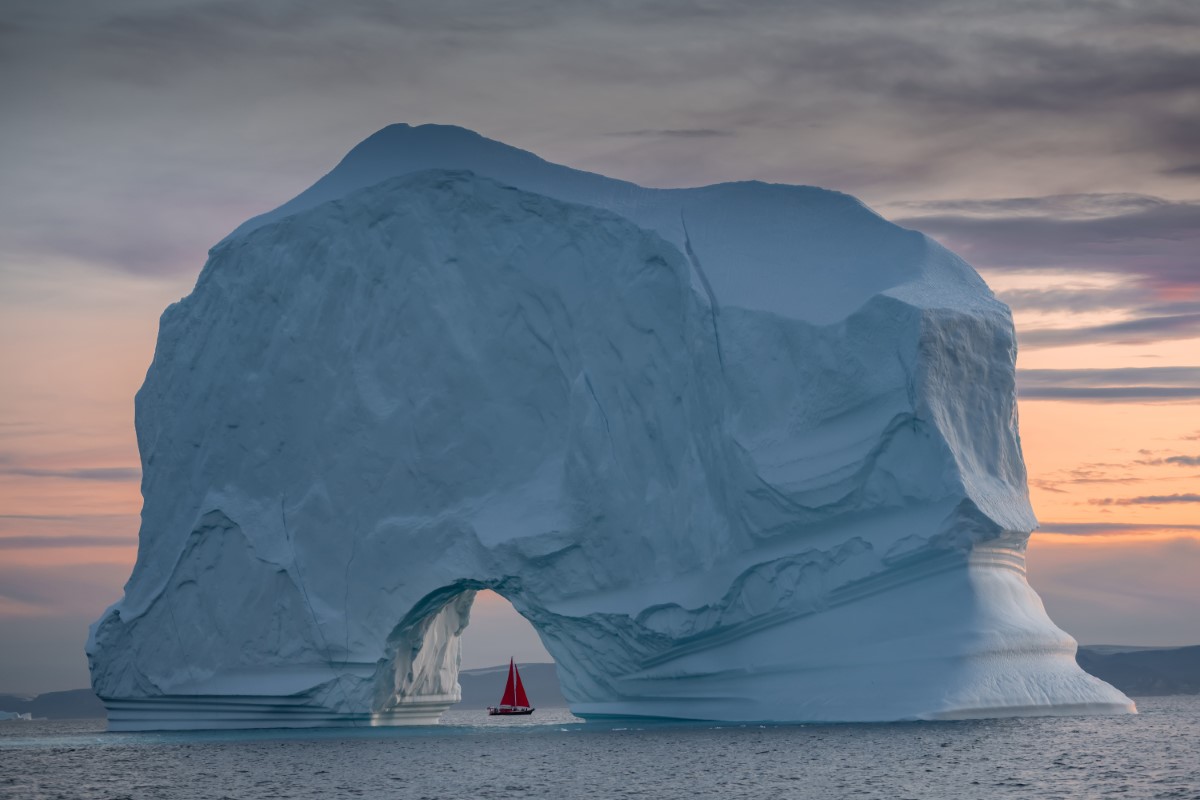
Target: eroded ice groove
[(414, 382)]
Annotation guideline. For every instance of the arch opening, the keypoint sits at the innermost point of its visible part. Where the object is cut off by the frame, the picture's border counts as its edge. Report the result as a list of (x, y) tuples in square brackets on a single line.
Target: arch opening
[(426, 653), (497, 631)]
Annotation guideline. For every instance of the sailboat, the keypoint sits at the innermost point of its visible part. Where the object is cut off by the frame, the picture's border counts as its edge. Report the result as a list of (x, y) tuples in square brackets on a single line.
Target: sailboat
[(514, 702)]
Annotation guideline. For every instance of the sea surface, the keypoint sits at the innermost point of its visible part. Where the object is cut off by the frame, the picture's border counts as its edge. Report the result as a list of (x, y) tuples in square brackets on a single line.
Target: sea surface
[(1155, 754)]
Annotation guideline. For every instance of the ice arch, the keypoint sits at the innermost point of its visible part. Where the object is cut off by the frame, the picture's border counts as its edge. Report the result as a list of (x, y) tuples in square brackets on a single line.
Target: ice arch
[(439, 383)]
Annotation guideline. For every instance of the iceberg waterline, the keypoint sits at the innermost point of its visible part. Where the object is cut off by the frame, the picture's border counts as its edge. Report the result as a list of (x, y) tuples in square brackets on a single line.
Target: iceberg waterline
[(740, 452)]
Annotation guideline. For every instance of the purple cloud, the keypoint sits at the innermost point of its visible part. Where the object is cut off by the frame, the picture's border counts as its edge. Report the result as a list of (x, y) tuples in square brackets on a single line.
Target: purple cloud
[(1147, 500)]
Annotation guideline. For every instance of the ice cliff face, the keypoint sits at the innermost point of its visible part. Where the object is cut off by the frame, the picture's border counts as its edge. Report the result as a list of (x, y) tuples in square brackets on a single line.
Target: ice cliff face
[(742, 452)]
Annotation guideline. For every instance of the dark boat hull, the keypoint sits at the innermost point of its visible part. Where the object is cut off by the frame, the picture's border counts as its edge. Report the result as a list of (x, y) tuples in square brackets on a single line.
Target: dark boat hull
[(509, 712)]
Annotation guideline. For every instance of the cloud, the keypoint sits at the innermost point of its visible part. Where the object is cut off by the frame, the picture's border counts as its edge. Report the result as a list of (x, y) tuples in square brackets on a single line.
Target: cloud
[(1081, 299), (88, 519), (1146, 330), (1091, 473), (1124, 473), (1147, 384), (1119, 376), (1148, 500), (53, 542), (71, 588), (1109, 528), (1183, 170), (1144, 237), (10, 429), (681, 133), (1114, 394), (143, 132), (46, 530), (1059, 207), (1073, 300), (1046, 74), (114, 474), (1182, 461), (1154, 243)]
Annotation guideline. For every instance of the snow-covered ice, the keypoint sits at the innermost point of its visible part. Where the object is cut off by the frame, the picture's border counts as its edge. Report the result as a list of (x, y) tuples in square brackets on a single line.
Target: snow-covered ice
[(739, 452)]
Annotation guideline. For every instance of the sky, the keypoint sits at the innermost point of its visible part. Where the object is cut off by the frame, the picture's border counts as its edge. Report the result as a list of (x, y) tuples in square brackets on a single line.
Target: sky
[(1054, 145)]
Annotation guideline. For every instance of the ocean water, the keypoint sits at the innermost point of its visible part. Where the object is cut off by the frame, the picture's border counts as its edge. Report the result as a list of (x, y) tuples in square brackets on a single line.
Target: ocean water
[(1155, 754)]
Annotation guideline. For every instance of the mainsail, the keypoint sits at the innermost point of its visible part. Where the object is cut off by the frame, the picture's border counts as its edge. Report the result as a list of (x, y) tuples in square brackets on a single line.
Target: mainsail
[(510, 690), (514, 701)]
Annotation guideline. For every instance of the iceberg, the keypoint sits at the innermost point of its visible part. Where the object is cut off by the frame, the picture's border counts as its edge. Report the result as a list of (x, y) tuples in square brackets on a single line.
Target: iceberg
[(742, 452)]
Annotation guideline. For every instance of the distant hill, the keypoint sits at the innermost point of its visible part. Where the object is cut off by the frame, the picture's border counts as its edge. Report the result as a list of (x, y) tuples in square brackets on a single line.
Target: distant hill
[(72, 704), (1137, 671), (1144, 671)]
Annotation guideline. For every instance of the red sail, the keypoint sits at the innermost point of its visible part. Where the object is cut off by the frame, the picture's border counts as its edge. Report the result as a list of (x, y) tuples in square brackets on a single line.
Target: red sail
[(522, 700), (510, 691)]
